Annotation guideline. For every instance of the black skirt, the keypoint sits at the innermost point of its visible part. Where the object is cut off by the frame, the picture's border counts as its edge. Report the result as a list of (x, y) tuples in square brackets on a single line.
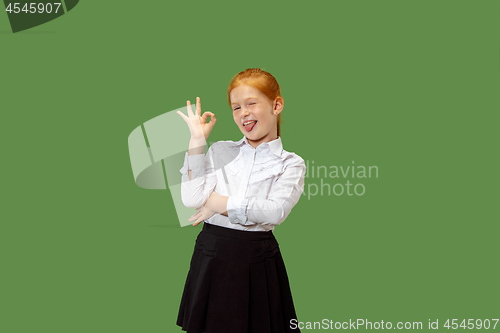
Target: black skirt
[(237, 283)]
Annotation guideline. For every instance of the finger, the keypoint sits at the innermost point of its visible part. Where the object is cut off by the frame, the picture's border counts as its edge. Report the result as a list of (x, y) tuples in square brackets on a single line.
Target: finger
[(196, 223), (198, 106), (212, 122), (206, 114), (194, 216), (213, 119), (200, 216), (182, 115), (190, 111)]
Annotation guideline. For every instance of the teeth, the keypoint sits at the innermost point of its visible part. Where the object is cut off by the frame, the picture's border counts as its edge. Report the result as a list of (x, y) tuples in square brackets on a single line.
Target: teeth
[(248, 122)]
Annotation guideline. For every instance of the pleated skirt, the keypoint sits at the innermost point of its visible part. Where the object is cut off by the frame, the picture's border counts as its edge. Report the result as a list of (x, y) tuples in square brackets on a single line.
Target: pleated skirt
[(237, 283)]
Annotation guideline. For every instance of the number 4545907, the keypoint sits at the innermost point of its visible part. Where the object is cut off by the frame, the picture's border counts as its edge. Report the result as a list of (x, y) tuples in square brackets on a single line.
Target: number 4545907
[(33, 8)]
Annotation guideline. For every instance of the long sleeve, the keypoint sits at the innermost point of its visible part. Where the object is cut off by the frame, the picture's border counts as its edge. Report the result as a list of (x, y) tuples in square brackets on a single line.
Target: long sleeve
[(195, 192), (284, 194)]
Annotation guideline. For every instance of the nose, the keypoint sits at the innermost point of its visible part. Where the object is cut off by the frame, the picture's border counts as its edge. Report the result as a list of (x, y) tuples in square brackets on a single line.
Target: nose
[(245, 112)]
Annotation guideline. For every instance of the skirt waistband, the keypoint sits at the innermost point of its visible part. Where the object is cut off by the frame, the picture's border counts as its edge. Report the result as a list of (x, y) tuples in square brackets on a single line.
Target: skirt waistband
[(238, 234)]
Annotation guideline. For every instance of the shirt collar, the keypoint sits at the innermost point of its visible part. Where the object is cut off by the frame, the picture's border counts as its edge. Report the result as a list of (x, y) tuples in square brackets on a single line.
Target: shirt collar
[(275, 146)]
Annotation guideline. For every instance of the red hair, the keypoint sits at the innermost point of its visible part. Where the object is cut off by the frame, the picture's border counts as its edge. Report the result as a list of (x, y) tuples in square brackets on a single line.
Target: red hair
[(261, 80)]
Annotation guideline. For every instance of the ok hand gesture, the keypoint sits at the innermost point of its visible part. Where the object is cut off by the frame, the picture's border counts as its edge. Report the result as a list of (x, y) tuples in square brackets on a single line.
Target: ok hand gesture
[(197, 124)]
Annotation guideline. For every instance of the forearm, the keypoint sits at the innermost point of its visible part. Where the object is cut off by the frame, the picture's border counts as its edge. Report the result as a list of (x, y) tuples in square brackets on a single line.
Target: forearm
[(217, 203), (263, 211), (222, 203), (250, 210)]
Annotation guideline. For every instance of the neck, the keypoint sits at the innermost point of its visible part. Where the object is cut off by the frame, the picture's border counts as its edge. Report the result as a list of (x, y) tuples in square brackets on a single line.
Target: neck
[(256, 143)]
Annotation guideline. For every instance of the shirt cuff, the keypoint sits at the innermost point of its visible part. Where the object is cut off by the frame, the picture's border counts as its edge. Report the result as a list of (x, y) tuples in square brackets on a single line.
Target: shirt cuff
[(237, 209), (195, 163), (184, 169)]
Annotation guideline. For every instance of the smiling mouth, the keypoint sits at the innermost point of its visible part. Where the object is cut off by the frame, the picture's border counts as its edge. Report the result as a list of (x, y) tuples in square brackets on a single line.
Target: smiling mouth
[(249, 125)]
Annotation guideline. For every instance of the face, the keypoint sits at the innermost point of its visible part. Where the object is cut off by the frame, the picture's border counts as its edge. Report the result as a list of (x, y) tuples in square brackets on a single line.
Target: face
[(249, 104)]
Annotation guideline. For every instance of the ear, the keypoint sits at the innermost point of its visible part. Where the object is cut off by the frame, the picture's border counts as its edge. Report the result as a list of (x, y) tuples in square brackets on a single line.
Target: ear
[(278, 105)]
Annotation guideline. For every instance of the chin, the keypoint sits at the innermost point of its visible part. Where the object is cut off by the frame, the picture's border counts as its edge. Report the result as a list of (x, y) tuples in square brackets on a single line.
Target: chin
[(247, 134)]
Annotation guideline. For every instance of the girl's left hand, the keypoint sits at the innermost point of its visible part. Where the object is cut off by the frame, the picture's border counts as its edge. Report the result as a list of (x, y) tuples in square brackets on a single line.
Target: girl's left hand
[(203, 214)]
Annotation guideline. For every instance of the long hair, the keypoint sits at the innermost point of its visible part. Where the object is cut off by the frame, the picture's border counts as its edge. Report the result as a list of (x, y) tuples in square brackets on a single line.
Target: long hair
[(261, 80)]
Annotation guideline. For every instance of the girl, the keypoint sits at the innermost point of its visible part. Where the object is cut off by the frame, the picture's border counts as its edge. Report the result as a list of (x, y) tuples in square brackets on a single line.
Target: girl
[(237, 281)]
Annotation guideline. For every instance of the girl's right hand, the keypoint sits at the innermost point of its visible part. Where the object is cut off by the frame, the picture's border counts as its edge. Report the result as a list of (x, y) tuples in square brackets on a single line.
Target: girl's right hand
[(197, 124)]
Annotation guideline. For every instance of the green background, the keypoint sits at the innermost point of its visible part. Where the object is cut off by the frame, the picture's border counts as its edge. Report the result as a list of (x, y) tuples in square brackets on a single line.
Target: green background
[(409, 86)]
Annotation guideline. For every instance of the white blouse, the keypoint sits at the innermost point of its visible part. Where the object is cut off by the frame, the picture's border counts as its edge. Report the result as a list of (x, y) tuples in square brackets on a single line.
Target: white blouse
[(263, 184)]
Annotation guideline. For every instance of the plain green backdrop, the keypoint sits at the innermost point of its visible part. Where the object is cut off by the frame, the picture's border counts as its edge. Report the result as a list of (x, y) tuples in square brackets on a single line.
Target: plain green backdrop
[(408, 86)]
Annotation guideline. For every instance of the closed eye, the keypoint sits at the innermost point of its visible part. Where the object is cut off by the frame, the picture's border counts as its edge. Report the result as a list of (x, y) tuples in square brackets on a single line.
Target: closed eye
[(236, 108)]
